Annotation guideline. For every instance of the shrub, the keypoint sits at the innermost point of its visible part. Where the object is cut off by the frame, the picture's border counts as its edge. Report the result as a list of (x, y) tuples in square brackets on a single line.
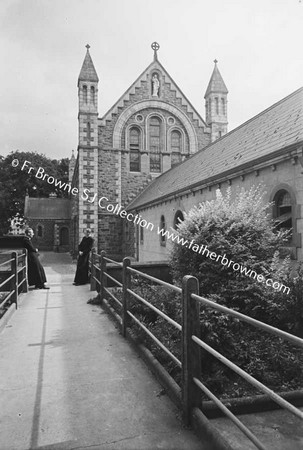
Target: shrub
[(241, 229)]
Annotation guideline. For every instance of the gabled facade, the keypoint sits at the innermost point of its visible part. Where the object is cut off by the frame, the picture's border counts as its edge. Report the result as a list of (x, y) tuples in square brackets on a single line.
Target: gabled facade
[(150, 129), (50, 220)]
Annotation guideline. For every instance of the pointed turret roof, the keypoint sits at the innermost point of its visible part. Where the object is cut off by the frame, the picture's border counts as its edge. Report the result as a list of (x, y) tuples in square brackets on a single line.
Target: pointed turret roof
[(216, 83), (88, 71)]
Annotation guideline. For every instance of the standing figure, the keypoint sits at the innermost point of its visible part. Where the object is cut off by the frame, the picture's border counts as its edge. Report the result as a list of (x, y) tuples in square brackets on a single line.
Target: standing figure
[(35, 271), (156, 86), (84, 248)]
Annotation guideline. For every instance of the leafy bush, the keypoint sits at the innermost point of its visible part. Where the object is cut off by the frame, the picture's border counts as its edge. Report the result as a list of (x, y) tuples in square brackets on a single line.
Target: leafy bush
[(242, 230)]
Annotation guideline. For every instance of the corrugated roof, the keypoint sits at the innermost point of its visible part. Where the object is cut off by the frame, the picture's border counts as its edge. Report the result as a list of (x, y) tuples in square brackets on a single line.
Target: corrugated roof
[(277, 127), (47, 208)]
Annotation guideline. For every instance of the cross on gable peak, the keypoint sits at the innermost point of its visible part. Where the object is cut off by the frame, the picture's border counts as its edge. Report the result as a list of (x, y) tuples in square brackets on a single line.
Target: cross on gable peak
[(155, 46)]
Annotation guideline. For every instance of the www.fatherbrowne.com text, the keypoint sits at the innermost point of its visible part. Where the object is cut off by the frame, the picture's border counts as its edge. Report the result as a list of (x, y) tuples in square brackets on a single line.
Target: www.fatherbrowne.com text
[(203, 250), (118, 210)]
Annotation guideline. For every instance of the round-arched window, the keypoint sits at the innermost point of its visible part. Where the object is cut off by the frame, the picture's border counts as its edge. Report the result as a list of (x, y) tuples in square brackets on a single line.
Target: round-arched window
[(155, 144), (64, 236), (283, 210), (163, 230), (39, 231), (178, 218), (134, 149)]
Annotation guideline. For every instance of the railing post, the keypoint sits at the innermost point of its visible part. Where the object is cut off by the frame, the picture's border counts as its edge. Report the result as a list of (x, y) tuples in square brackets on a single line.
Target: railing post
[(92, 271), (103, 279), (126, 281), (24, 272), (191, 353), (98, 276), (14, 269)]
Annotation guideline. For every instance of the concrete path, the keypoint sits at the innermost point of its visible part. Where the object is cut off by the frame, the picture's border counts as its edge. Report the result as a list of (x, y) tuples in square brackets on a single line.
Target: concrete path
[(70, 381)]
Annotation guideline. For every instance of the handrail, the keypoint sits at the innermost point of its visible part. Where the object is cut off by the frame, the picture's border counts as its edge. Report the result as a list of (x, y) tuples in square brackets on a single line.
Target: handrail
[(113, 297), (7, 298), (14, 279), (113, 262), (113, 279), (229, 414), (256, 323), (251, 380), (6, 262), (156, 340), (7, 280), (160, 313), (156, 280), (190, 339)]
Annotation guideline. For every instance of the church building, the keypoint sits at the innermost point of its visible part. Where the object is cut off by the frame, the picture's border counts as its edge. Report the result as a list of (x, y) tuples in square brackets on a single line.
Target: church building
[(266, 150), (152, 157), (150, 129)]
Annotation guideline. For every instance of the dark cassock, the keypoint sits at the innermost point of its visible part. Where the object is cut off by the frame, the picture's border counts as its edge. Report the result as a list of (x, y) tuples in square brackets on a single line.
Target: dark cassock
[(84, 248), (35, 271)]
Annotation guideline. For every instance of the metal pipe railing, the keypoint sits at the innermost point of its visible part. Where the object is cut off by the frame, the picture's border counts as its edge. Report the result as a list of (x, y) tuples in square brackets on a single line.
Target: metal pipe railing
[(13, 279), (191, 343)]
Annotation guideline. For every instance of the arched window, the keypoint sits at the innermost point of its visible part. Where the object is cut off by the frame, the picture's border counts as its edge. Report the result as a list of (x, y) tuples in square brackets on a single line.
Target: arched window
[(40, 231), (141, 235), (178, 218), (163, 229), (92, 95), (88, 133), (209, 106), (217, 105), (134, 150), (64, 236), (85, 94), (283, 210), (176, 140), (155, 144), (223, 106)]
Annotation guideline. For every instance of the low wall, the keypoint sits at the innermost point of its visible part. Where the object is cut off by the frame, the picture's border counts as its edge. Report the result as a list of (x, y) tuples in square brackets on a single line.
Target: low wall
[(160, 270), (12, 242)]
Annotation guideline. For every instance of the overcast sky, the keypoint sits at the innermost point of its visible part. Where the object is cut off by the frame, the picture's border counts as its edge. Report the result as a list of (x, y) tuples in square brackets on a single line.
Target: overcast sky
[(258, 44)]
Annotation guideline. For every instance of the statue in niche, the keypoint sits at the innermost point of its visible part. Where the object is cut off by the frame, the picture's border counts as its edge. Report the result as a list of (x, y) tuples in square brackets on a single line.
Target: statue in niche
[(156, 85)]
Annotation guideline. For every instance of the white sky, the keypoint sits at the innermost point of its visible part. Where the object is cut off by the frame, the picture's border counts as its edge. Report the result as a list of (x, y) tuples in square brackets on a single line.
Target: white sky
[(258, 44)]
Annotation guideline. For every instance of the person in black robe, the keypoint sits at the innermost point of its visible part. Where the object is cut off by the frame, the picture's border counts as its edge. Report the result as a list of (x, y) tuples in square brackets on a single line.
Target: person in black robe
[(84, 248), (35, 271)]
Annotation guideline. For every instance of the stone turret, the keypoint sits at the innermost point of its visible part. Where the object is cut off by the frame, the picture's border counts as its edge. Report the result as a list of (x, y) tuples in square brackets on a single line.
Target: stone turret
[(88, 145), (216, 104)]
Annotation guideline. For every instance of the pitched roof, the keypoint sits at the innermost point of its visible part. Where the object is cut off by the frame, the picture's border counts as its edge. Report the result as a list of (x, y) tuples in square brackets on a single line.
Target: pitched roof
[(47, 208), (276, 128), (88, 71), (216, 83)]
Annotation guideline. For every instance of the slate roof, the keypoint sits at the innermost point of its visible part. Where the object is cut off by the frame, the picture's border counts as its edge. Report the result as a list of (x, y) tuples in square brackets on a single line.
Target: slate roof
[(88, 71), (276, 128), (216, 83), (47, 208)]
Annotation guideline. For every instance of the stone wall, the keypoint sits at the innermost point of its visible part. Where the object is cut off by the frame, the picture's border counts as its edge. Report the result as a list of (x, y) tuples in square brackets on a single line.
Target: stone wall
[(110, 235), (46, 241)]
